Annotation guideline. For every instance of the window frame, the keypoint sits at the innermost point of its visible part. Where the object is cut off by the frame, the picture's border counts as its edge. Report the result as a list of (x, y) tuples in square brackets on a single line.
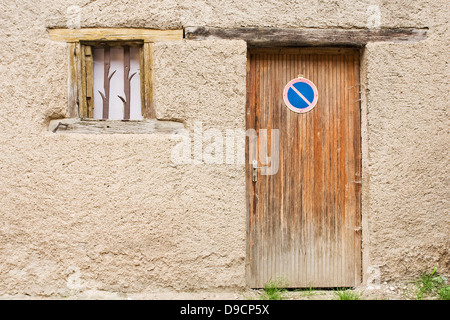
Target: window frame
[(80, 61)]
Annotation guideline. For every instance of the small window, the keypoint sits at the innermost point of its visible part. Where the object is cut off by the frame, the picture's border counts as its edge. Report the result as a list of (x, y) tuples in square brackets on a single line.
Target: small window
[(110, 71), (112, 84), (113, 81)]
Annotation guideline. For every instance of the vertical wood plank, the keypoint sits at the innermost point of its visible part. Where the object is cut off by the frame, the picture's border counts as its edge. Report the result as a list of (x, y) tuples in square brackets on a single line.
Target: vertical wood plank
[(308, 178), (327, 144), (333, 168), (82, 104), (339, 102), (302, 160), (89, 70), (142, 79), (148, 110), (295, 233), (73, 79), (257, 187)]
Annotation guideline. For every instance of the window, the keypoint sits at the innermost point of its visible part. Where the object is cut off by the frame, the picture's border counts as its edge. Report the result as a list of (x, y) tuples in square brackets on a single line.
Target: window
[(113, 81), (110, 71)]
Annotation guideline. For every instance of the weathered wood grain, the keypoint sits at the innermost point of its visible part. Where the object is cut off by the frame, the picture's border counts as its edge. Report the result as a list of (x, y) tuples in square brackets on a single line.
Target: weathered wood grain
[(73, 78), (114, 34), (149, 126), (302, 221), (89, 69), (310, 36), (148, 109)]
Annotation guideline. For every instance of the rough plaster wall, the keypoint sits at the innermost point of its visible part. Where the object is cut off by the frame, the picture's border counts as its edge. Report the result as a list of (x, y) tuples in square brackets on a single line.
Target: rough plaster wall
[(76, 215), (236, 13), (408, 138)]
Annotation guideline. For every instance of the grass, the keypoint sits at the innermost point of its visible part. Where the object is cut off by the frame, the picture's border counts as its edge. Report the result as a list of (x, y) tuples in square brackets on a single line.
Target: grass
[(444, 293), (308, 292), (347, 295), (432, 284), (274, 290)]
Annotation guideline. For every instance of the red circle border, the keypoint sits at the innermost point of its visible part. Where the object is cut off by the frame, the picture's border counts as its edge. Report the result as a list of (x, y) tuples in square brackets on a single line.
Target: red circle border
[(300, 110)]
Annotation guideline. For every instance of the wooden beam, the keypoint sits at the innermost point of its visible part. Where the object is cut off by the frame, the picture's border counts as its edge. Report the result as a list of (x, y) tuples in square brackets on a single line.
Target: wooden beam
[(262, 37), (66, 126), (114, 34)]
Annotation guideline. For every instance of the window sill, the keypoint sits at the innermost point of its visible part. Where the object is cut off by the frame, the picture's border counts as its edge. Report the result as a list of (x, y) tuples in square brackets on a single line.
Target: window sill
[(148, 126)]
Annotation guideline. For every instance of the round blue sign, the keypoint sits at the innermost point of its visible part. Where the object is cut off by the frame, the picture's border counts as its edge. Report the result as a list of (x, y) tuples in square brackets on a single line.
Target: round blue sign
[(300, 95)]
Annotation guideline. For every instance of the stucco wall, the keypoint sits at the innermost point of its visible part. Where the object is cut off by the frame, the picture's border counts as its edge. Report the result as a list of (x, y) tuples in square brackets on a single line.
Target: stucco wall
[(112, 212), (408, 159)]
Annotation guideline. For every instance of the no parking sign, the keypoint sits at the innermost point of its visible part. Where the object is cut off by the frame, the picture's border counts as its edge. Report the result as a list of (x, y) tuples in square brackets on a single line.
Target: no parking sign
[(300, 95)]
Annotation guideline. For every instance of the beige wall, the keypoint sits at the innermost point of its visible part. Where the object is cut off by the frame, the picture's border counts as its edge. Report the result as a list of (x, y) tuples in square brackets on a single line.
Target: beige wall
[(112, 212)]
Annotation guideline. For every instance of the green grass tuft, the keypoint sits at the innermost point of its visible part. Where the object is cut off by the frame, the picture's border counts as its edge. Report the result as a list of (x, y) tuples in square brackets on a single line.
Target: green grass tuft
[(432, 284), (347, 295), (444, 293), (308, 292), (274, 290)]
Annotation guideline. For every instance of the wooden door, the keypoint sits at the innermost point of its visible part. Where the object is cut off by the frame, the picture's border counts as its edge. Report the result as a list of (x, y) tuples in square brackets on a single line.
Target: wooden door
[(304, 221)]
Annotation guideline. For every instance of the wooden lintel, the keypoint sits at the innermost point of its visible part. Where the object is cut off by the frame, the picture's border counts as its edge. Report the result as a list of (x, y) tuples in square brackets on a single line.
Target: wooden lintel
[(262, 37), (114, 34)]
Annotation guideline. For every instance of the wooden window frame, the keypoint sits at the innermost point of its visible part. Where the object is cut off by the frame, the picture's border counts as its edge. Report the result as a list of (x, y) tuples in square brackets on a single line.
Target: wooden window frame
[(86, 74), (80, 54)]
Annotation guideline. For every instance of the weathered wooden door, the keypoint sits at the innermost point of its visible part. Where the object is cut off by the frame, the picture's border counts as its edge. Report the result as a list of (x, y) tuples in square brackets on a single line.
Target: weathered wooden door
[(304, 221)]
